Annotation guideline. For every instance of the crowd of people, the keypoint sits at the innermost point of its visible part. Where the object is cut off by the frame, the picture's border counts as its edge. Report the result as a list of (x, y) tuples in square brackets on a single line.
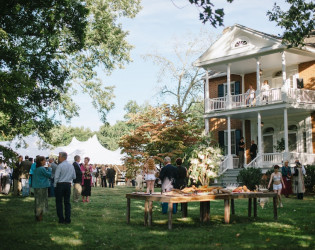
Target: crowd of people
[(46, 177), (286, 182)]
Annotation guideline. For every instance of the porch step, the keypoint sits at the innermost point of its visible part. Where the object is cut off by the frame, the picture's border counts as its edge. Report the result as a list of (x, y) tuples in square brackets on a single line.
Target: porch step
[(229, 178)]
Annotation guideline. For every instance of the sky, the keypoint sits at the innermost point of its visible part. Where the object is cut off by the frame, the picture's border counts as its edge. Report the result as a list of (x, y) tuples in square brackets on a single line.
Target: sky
[(154, 29)]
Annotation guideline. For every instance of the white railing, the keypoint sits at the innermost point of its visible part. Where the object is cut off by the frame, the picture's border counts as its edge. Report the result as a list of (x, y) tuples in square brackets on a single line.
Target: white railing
[(253, 163), (304, 158), (301, 95), (223, 165), (271, 96), (272, 158)]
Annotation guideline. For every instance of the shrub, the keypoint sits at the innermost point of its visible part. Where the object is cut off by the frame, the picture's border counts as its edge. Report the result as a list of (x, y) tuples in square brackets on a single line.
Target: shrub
[(309, 178), (251, 177)]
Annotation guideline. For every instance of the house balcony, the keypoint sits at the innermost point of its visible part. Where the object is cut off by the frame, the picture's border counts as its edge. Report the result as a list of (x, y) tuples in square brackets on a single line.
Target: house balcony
[(294, 98)]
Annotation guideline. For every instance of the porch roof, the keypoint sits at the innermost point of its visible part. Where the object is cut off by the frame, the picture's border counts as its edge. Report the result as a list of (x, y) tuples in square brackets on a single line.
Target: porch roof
[(240, 46)]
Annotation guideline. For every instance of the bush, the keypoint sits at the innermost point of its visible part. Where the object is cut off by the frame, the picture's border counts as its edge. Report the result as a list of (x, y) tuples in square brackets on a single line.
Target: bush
[(251, 177), (309, 178)]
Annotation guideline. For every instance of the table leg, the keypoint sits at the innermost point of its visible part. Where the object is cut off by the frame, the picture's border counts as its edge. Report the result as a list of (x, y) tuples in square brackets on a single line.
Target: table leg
[(249, 207), (150, 212), (227, 211), (146, 210), (128, 211), (184, 209), (204, 211), (232, 206), (255, 207), (170, 215), (275, 211)]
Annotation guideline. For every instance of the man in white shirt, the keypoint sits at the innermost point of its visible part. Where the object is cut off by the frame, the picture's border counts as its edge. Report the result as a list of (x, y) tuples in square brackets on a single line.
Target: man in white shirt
[(64, 176)]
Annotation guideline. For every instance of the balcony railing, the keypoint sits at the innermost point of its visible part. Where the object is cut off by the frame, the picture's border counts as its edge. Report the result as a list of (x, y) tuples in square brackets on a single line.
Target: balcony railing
[(275, 95)]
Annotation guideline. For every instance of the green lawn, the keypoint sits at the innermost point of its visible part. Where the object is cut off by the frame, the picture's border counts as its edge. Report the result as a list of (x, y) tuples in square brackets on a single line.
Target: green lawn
[(102, 224)]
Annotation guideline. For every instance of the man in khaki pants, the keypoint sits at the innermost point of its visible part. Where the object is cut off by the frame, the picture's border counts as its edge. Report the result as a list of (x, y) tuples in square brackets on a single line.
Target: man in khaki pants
[(77, 188)]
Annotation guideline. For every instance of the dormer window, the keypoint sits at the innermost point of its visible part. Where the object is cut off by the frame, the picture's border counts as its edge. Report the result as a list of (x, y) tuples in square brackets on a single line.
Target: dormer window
[(240, 42)]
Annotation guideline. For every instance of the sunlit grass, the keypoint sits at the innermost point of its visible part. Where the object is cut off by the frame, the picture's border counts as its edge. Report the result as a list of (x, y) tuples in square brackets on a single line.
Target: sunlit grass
[(102, 224)]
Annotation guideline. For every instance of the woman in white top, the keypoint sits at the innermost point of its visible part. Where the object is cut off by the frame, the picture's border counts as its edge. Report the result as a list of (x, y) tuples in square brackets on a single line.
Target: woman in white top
[(250, 95), (150, 171), (265, 91), (276, 177)]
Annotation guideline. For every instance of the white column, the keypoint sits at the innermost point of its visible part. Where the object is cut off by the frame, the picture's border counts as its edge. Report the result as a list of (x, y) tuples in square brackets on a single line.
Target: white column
[(207, 93), (259, 143), (228, 76), (257, 80), (286, 136), (230, 160), (284, 73), (207, 127), (244, 135)]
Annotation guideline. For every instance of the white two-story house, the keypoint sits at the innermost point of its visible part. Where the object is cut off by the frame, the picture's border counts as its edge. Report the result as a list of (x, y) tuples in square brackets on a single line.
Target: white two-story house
[(243, 56)]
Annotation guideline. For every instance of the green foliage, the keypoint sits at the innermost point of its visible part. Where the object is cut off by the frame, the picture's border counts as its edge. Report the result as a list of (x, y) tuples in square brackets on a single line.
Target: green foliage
[(31, 78), (209, 14), (9, 156), (298, 21), (309, 178), (49, 50), (280, 145), (251, 177), (62, 135), (109, 135)]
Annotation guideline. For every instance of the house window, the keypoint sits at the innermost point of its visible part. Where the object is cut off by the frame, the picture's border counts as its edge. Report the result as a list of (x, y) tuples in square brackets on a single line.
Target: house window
[(235, 138), (233, 143), (235, 89), (268, 140), (292, 137), (232, 88)]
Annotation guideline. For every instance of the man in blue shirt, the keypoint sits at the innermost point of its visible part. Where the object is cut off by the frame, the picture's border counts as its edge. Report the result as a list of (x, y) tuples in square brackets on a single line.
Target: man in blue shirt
[(63, 177)]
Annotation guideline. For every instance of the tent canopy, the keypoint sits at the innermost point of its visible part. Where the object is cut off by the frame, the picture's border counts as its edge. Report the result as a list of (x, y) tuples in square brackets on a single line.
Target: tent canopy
[(93, 149)]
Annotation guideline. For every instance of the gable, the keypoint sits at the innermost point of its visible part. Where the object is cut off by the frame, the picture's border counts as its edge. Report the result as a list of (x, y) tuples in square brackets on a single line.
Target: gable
[(238, 41)]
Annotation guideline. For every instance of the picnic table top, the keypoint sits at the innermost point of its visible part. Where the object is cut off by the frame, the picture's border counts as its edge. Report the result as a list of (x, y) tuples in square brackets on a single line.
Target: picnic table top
[(178, 198)]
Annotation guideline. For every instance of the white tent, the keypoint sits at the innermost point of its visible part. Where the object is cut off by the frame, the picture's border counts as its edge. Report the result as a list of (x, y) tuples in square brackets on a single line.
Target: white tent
[(31, 145), (92, 149)]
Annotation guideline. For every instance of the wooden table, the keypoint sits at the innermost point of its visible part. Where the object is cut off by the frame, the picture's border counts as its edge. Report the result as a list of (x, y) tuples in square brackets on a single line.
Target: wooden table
[(204, 204)]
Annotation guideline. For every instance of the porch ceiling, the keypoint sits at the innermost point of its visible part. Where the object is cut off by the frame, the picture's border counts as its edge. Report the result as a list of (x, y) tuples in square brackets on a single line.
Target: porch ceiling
[(270, 111), (267, 62)]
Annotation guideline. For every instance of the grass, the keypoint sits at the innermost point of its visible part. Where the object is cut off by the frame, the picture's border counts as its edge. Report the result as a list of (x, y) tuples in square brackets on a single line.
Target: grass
[(101, 224)]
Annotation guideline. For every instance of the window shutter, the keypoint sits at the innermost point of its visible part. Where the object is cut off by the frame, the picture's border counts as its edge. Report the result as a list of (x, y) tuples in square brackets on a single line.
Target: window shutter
[(237, 88), (237, 139), (220, 90), (221, 139)]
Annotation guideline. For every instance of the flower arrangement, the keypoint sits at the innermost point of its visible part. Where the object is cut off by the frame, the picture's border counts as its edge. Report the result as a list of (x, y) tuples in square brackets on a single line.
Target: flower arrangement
[(205, 164)]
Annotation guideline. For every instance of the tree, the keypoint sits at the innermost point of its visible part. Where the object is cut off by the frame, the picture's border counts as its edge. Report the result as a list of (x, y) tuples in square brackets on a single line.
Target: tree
[(62, 135), (31, 78), (298, 21), (49, 50), (109, 136), (161, 131), (180, 79)]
